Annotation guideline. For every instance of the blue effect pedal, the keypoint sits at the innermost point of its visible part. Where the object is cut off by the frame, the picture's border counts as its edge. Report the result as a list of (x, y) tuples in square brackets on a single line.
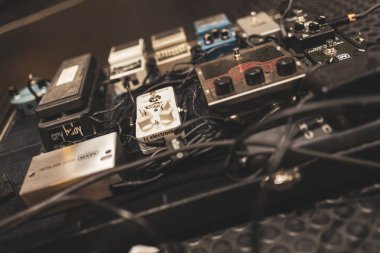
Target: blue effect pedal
[(215, 35), (24, 101)]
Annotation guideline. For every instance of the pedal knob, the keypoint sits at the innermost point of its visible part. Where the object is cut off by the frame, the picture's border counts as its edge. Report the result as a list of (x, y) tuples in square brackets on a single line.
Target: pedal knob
[(299, 27), (254, 76), (208, 39), (286, 66), (225, 34), (223, 85), (322, 20), (144, 120), (166, 113), (314, 27), (215, 33)]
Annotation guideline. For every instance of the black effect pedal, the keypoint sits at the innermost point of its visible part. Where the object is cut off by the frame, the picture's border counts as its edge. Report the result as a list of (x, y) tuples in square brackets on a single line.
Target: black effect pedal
[(333, 50)]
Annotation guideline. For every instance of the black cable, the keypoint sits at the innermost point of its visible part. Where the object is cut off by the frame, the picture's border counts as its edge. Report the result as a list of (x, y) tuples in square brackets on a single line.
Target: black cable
[(367, 12), (283, 17), (264, 38), (317, 106), (109, 110), (137, 182), (352, 17), (156, 143), (30, 88), (336, 158), (196, 120), (85, 182), (165, 83), (107, 82), (133, 113), (122, 213), (202, 125)]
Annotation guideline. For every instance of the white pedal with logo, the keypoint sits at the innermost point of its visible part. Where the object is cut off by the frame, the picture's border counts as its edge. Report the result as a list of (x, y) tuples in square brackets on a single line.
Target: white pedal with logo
[(157, 117), (170, 48), (128, 61)]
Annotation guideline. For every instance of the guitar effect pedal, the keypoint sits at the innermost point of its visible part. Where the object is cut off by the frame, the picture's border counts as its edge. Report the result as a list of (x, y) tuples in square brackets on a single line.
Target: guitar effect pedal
[(157, 117), (259, 24), (26, 100), (215, 35), (128, 61), (332, 51), (170, 47), (70, 98), (306, 32), (54, 171), (248, 75)]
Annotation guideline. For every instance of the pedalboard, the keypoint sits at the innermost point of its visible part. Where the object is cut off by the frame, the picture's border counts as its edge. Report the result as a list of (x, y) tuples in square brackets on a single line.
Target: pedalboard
[(334, 50), (259, 24), (24, 101), (157, 117), (70, 88), (171, 47), (248, 75), (128, 61), (54, 171), (215, 35)]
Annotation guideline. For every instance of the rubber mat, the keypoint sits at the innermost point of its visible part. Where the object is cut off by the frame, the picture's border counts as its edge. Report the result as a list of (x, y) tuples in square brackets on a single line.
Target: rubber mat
[(345, 225)]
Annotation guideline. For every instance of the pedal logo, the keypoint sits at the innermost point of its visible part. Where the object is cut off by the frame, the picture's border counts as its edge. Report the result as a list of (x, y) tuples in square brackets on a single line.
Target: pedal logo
[(344, 56), (87, 155), (68, 132), (72, 131)]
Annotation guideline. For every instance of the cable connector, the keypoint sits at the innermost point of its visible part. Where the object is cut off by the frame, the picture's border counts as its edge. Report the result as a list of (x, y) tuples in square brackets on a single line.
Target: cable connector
[(282, 180), (176, 144), (351, 17)]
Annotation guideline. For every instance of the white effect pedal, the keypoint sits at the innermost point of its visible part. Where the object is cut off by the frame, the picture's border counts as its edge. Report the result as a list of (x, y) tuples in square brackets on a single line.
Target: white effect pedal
[(128, 61), (157, 117), (171, 47)]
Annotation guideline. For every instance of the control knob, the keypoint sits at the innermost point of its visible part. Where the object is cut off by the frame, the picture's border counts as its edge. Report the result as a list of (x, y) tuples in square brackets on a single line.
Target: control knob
[(254, 76), (223, 85), (286, 66)]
